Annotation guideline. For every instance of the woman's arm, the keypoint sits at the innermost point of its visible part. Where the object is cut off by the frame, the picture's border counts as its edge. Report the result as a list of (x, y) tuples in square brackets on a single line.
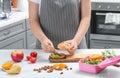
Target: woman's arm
[(85, 20), (46, 44), (34, 21)]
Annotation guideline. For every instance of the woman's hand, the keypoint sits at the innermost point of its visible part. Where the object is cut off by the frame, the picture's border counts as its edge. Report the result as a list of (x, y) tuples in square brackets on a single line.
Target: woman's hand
[(73, 46), (47, 46)]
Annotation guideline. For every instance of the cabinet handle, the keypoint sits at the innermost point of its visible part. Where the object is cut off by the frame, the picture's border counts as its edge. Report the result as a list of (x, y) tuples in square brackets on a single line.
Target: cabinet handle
[(6, 33)]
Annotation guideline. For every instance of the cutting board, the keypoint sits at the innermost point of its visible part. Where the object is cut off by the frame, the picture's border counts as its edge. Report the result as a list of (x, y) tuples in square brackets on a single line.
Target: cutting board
[(73, 58)]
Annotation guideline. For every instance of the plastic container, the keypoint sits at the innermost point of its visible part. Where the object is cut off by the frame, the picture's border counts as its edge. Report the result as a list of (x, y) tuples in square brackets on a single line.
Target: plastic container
[(98, 68)]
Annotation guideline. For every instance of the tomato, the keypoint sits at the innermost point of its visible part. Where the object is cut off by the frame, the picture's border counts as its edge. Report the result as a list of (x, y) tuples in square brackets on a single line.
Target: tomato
[(33, 54), (28, 57), (33, 59)]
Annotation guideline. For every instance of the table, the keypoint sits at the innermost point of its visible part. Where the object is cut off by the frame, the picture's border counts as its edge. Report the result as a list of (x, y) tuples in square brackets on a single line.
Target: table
[(27, 68)]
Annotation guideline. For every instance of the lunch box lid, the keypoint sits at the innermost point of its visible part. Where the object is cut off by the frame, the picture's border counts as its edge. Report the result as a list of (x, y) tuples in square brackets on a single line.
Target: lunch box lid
[(109, 61)]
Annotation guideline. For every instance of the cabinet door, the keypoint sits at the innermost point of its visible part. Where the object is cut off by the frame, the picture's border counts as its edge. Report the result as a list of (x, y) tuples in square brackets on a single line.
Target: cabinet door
[(27, 24), (12, 29), (15, 42), (102, 44), (31, 40)]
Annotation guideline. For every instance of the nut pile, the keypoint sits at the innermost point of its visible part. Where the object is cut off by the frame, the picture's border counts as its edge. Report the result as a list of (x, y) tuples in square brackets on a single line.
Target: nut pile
[(50, 69)]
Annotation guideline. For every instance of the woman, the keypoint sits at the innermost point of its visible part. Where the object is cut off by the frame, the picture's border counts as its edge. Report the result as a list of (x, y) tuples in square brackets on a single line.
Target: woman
[(54, 21)]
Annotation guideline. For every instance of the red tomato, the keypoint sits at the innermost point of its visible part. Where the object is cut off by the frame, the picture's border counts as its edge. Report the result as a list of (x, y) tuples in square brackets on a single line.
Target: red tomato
[(28, 57), (33, 59), (33, 54)]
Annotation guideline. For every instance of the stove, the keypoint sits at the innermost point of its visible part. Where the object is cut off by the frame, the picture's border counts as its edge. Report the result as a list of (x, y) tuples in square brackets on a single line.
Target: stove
[(104, 35)]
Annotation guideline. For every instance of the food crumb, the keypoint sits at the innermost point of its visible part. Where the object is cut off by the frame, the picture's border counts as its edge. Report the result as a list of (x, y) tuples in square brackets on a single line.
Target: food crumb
[(61, 72)]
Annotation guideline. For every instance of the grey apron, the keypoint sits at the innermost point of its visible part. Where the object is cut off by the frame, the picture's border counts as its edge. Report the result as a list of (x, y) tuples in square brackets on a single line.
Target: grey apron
[(60, 20)]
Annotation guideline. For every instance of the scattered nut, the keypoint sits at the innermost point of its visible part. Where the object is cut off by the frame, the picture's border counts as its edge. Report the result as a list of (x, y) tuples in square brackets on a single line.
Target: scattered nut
[(61, 72), (35, 69), (70, 68), (67, 69), (39, 71), (39, 68), (50, 69)]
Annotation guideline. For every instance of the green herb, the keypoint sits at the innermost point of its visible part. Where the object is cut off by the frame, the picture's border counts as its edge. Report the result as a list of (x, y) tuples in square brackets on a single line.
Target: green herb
[(55, 55), (108, 53), (95, 62), (87, 61)]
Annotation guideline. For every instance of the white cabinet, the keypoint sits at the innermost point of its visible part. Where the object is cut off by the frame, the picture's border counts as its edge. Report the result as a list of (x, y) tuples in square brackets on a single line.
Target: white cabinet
[(15, 42), (13, 36), (17, 36)]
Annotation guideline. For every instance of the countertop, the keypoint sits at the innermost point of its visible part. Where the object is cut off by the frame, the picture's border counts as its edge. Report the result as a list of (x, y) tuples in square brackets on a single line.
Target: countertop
[(27, 68), (15, 17)]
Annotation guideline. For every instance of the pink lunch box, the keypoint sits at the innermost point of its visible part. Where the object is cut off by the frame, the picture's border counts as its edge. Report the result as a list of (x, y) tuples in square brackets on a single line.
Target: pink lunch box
[(97, 68)]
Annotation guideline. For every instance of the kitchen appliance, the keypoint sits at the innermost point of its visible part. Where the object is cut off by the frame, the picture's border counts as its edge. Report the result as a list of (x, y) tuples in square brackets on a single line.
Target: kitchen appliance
[(104, 35), (5, 9)]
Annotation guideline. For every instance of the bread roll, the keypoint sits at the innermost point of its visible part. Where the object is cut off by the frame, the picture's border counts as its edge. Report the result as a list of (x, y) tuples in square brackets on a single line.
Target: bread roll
[(63, 46)]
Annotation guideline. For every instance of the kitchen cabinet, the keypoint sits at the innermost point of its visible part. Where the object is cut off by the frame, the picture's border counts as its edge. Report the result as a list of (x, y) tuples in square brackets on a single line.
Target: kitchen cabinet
[(13, 36), (100, 44), (12, 29), (15, 32), (17, 35), (15, 42)]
